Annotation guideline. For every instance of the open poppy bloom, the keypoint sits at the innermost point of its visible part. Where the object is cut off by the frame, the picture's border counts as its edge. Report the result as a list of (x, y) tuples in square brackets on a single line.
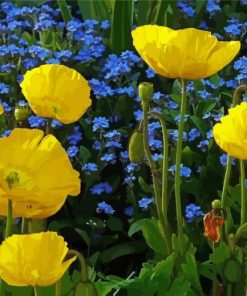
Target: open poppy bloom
[(35, 173), (33, 259), (212, 223), (56, 91), (188, 53), (231, 133)]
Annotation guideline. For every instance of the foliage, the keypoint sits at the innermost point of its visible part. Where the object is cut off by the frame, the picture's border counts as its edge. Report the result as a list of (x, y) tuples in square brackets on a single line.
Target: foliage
[(113, 222)]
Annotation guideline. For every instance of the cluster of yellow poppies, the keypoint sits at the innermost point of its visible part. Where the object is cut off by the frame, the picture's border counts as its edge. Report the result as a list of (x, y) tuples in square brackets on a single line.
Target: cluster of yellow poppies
[(35, 172), (36, 176)]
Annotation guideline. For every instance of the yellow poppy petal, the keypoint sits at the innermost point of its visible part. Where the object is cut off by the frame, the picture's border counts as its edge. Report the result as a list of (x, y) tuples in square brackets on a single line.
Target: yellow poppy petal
[(56, 91), (36, 173), (33, 259), (188, 53), (231, 133)]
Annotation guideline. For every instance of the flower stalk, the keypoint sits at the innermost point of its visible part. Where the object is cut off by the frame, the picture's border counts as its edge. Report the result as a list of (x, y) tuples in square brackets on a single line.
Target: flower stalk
[(84, 274), (164, 194), (8, 230), (243, 192), (178, 163)]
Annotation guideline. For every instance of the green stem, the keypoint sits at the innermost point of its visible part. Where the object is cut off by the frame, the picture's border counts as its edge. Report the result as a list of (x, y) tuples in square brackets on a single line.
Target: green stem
[(229, 289), (236, 96), (154, 171), (8, 230), (84, 274), (178, 162), (58, 288), (164, 198), (243, 192), (36, 291), (24, 225), (214, 283), (224, 203)]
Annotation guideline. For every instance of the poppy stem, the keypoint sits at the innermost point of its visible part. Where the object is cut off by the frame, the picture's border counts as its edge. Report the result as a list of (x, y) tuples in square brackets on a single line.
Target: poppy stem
[(224, 203), (164, 198), (58, 287), (153, 168), (36, 291), (8, 230), (243, 192), (84, 274), (178, 169)]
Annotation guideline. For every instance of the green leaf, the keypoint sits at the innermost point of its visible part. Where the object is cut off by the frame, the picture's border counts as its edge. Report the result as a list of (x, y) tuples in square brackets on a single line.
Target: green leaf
[(220, 255), (120, 250), (142, 8), (134, 227), (163, 273), (83, 234), (180, 286), (144, 186), (241, 232), (84, 154), (114, 224), (85, 289), (122, 20), (151, 233), (99, 10), (191, 273), (57, 225), (66, 14), (233, 271), (200, 124)]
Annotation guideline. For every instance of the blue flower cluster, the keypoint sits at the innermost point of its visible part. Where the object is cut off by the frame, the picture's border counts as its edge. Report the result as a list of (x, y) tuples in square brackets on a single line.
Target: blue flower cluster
[(192, 212), (184, 171), (145, 202), (105, 208)]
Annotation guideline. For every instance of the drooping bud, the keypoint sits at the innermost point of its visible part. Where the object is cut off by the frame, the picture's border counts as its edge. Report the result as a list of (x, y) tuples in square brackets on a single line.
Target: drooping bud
[(85, 289), (22, 112), (136, 148), (216, 204), (146, 91)]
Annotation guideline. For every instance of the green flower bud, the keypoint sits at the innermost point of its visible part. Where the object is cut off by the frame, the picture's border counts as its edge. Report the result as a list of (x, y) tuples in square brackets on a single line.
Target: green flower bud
[(136, 148), (21, 113), (146, 91), (216, 204), (85, 289)]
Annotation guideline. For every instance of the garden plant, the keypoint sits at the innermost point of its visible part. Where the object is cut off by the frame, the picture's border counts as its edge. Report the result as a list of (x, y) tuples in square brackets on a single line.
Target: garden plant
[(123, 148)]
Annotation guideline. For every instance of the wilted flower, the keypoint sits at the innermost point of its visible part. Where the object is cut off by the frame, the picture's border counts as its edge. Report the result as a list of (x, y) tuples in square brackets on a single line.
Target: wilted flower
[(212, 223)]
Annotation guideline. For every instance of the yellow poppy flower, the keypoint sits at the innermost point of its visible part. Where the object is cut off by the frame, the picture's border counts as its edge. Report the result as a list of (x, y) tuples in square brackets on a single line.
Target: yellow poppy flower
[(35, 171), (56, 91), (231, 133), (33, 259), (188, 53), (1, 110)]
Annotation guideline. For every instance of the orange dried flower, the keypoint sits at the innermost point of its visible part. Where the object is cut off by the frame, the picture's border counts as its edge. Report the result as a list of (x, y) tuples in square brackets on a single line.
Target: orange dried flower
[(212, 223)]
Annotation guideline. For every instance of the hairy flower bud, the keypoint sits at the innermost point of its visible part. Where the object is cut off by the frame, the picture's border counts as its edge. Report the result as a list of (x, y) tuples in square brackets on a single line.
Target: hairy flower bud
[(216, 204), (21, 113), (145, 91), (136, 148)]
